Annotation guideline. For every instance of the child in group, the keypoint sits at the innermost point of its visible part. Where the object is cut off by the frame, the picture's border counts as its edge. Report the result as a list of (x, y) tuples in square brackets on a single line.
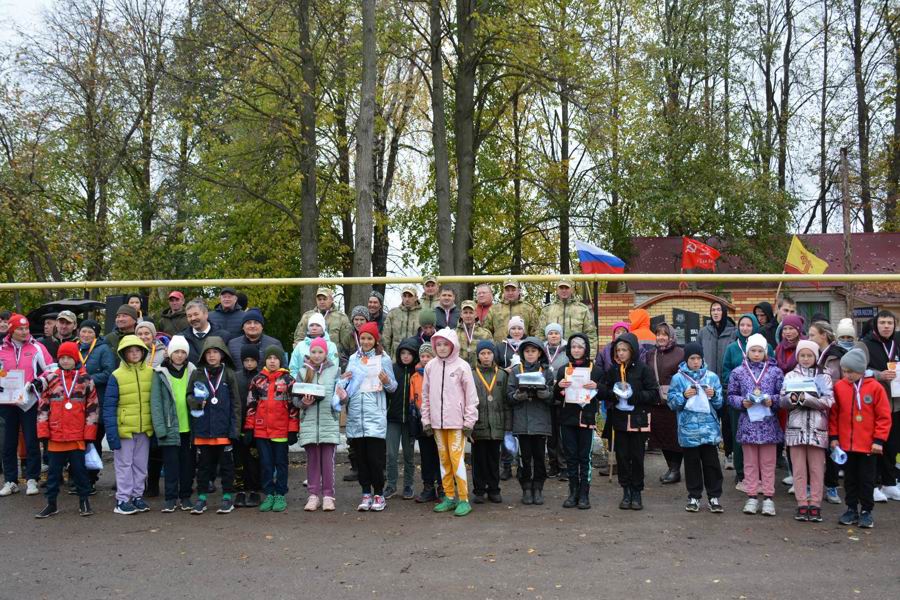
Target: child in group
[(859, 423), (494, 420), (578, 418), (698, 427), (630, 389), (129, 424), (398, 421), (508, 352), (806, 435), (432, 490), (172, 424), (753, 389), (67, 419), (531, 421), (320, 424), (246, 455), (449, 413), (215, 421), (315, 328), (366, 402), (274, 422)]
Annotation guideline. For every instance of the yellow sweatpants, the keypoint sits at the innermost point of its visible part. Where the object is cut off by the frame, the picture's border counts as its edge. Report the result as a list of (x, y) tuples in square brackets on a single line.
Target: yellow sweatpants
[(451, 447)]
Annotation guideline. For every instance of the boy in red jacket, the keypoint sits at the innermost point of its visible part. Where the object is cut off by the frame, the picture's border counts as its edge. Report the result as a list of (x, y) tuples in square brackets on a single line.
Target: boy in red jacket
[(859, 422), (67, 418), (274, 422)]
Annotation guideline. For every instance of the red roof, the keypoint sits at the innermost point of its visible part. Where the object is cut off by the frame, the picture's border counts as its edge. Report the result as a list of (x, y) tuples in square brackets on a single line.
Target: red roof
[(871, 253)]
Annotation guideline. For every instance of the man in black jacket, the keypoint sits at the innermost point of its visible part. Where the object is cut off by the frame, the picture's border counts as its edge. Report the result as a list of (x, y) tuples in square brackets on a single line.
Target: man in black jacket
[(883, 344), (200, 328)]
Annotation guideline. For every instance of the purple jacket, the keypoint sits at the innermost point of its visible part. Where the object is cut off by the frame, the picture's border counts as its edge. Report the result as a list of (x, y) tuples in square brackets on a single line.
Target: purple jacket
[(740, 385)]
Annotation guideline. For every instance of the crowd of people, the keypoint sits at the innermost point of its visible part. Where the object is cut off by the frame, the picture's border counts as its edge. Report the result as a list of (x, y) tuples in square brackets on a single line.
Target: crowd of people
[(193, 395)]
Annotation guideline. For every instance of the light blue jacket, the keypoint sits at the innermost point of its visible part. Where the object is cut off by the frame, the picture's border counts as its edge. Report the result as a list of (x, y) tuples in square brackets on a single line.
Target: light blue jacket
[(367, 411), (696, 428), (301, 351)]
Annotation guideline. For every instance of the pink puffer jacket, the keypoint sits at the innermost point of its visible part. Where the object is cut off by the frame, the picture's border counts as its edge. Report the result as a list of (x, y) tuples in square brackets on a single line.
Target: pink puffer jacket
[(449, 397)]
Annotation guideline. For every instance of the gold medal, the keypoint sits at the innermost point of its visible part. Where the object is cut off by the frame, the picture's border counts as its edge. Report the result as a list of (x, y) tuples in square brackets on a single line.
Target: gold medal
[(859, 418), (757, 392)]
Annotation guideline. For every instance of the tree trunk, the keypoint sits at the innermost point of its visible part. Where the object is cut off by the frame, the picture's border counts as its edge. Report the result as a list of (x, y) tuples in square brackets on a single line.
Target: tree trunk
[(516, 267), (365, 138), (862, 119), (464, 125), (343, 153), (891, 209), (439, 142), (784, 112), (309, 224), (823, 114)]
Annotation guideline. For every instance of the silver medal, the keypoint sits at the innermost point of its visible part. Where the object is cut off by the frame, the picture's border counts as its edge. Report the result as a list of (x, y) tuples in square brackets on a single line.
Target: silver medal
[(214, 401), (68, 405)]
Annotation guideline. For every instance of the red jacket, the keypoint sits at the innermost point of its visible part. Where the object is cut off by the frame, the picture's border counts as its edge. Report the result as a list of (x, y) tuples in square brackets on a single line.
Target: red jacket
[(57, 423), (270, 413), (856, 435)]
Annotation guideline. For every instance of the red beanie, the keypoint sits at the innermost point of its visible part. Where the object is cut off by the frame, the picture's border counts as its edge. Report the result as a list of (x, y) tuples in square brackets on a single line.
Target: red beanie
[(372, 329), (69, 349), (319, 343), (16, 321)]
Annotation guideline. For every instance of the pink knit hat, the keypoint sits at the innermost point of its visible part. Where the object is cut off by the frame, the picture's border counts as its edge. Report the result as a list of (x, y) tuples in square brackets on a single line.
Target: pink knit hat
[(319, 343), (623, 324), (808, 345)]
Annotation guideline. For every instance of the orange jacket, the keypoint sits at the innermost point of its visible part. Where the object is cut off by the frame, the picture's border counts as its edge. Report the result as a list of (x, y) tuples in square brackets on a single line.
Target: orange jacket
[(640, 325)]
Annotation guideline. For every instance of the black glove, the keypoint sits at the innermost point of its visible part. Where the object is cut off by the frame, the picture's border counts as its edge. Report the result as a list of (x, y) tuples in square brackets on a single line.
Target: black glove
[(247, 437), (38, 385), (292, 438)]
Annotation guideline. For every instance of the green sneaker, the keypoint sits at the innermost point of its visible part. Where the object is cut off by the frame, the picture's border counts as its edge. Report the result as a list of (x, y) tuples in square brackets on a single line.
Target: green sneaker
[(267, 504), (462, 509), (446, 504), (279, 505)]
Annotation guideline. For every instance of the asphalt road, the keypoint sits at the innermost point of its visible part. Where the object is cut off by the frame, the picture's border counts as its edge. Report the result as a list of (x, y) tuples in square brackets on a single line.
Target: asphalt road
[(498, 551)]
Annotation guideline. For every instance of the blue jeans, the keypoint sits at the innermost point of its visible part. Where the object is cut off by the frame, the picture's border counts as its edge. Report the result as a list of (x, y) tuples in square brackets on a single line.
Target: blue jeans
[(58, 461), (13, 418), (273, 463)]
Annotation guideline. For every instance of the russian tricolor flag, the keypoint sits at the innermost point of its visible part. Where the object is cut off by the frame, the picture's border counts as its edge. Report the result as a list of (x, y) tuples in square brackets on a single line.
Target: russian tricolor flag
[(594, 260)]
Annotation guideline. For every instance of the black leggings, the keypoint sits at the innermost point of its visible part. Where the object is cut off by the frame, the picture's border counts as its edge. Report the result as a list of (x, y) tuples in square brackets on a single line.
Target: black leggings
[(370, 460)]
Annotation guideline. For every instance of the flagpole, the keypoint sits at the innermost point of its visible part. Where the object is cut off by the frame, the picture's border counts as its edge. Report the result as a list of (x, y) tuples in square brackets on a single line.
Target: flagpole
[(778, 291), (596, 302)]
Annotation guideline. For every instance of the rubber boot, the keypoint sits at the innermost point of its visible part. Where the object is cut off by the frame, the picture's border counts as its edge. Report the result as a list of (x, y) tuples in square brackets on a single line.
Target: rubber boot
[(584, 496), (572, 499), (538, 491)]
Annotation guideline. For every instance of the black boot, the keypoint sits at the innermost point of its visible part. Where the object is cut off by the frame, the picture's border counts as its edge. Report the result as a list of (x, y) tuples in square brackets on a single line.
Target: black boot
[(48, 511), (625, 504), (240, 500), (572, 500), (252, 500), (427, 495), (673, 475), (538, 492), (84, 507), (527, 493), (506, 473), (584, 496), (636, 503)]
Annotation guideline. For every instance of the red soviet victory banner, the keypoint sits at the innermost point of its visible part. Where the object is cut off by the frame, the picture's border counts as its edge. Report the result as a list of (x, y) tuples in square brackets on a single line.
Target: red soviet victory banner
[(697, 255)]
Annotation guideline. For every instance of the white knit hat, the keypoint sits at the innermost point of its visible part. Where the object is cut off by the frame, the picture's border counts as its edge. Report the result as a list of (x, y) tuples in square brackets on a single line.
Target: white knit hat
[(178, 342), (515, 321), (757, 339), (316, 319), (845, 328)]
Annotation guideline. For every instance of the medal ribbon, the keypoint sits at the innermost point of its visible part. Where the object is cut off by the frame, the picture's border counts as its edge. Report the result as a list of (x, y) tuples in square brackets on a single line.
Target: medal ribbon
[(488, 386), (90, 351), (68, 390), (214, 388), (762, 373)]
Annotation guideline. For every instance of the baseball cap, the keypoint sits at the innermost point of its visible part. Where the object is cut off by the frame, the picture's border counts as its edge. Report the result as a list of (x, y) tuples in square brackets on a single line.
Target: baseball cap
[(565, 283), (511, 282), (469, 304), (67, 315), (228, 290), (430, 279), (410, 289), (176, 294), (324, 291)]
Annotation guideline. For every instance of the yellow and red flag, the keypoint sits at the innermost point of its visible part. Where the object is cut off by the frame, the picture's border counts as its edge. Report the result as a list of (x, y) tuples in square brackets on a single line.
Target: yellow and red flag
[(800, 260)]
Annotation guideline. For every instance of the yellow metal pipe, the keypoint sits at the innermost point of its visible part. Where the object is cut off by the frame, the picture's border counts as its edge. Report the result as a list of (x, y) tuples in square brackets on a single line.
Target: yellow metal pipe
[(475, 279)]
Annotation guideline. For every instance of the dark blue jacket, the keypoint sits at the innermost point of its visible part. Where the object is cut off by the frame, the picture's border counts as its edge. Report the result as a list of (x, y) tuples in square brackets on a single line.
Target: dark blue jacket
[(231, 321), (222, 418), (99, 365)]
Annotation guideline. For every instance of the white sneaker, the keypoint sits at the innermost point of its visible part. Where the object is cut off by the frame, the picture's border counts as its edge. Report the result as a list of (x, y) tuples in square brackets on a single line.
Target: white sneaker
[(312, 504), (751, 506), (45, 468), (768, 507), (789, 480), (878, 495), (739, 486), (891, 491), (9, 488), (379, 503), (791, 490), (729, 464), (365, 504), (31, 488)]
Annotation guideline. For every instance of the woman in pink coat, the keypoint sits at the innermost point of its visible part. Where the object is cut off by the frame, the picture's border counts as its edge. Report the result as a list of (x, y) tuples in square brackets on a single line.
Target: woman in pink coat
[(449, 412)]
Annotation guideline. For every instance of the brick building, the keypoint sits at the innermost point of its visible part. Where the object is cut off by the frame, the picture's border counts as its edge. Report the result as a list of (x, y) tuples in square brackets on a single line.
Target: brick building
[(687, 308)]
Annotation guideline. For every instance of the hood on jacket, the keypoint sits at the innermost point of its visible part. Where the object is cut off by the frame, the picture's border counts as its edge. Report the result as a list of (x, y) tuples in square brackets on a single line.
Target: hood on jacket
[(533, 341), (587, 347), (671, 333), (632, 341), (409, 344), (726, 320), (753, 320), (132, 340), (219, 344), (698, 374), (767, 310), (446, 334), (640, 325)]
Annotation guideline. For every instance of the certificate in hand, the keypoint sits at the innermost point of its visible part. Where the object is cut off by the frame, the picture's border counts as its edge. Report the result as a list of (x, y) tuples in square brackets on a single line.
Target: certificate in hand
[(13, 385), (371, 382), (576, 392), (801, 384)]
